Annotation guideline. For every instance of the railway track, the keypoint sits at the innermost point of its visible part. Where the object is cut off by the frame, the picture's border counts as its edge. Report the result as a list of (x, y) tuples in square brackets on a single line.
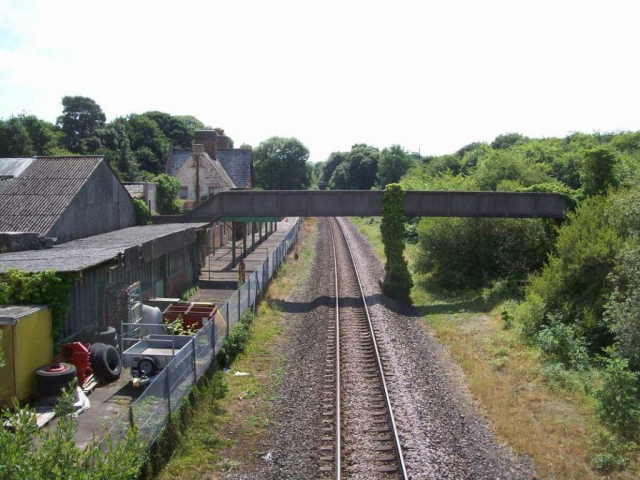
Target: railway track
[(359, 434)]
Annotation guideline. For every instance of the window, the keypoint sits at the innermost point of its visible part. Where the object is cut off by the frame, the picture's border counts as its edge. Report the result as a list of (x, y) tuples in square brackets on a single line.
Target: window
[(184, 192), (213, 190)]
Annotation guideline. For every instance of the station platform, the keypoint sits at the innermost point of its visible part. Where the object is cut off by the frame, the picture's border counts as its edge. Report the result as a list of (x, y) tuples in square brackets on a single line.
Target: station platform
[(218, 279)]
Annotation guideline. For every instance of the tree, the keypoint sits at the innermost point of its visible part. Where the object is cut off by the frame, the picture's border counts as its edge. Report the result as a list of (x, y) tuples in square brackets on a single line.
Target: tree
[(81, 118), (14, 139), (148, 143), (340, 178), (167, 194), (363, 166), (508, 140), (394, 163), (598, 170), (42, 134), (174, 128), (330, 165), (281, 164)]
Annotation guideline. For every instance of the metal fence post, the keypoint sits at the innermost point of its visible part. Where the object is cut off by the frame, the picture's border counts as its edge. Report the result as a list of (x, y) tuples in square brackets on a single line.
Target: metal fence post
[(226, 317), (239, 295), (167, 387), (249, 293), (132, 424), (193, 351)]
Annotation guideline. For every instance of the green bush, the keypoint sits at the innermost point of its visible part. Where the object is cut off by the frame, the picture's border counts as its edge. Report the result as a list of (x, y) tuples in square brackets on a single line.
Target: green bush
[(238, 338), (618, 404), (467, 252), (608, 453), (167, 194), (143, 215), (561, 343), (51, 453), (623, 309)]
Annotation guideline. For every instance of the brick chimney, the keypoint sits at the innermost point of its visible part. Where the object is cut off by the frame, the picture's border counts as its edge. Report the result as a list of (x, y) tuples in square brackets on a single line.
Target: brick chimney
[(207, 138), (222, 142)]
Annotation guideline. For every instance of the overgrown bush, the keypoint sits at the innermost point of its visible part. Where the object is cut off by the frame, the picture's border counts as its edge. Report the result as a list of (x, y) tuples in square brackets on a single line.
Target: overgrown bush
[(238, 338), (51, 453), (167, 194), (467, 252), (623, 309), (143, 215), (397, 281), (562, 344), (618, 404), (39, 288), (609, 453)]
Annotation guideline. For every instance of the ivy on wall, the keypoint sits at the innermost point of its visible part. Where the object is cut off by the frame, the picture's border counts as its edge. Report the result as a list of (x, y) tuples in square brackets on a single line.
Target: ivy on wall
[(41, 288), (397, 281)]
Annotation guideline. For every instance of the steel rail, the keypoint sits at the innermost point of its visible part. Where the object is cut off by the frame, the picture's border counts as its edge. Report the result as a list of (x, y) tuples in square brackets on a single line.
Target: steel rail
[(338, 449), (394, 428)]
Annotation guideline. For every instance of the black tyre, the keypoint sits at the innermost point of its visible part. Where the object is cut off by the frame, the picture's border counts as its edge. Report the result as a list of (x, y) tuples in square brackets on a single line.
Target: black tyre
[(55, 373), (52, 379), (107, 363), (54, 390), (147, 366), (94, 352), (105, 335)]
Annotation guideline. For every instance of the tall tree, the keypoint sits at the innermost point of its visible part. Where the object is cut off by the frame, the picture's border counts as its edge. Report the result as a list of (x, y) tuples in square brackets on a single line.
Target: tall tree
[(394, 163), (174, 128), (81, 118), (14, 139), (599, 170), (335, 159), (281, 164), (363, 166)]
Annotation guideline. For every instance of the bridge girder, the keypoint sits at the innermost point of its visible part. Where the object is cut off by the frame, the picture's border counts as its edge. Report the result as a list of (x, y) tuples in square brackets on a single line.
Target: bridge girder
[(349, 203)]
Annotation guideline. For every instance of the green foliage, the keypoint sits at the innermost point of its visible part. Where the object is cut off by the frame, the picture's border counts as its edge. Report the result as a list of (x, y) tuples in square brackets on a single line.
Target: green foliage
[(238, 338), (167, 189), (51, 453), (356, 170), (501, 165), (618, 404), (609, 453), (40, 288), (397, 282), (507, 140), (393, 165), (599, 170), (622, 311), (141, 209), (14, 139), (43, 135), (463, 252), (328, 167), (562, 344), (281, 164), (80, 121)]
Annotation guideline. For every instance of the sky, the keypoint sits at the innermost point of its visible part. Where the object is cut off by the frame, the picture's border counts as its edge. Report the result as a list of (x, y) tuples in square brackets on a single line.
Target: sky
[(429, 75)]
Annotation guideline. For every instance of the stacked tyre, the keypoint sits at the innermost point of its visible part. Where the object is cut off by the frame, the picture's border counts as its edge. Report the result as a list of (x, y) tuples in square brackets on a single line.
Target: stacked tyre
[(105, 361), (52, 379), (106, 335)]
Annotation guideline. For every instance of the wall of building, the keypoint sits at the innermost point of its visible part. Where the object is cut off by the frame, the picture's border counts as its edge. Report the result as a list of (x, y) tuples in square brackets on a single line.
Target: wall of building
[(94, 293), (102, 205), (208, 176)]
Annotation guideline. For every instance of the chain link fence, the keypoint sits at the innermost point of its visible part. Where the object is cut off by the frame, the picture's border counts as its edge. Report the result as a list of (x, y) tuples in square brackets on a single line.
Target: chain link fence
[(164, 395)]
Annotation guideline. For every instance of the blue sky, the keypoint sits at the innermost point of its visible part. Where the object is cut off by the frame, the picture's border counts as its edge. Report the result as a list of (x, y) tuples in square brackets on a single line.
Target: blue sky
[(428, 75)]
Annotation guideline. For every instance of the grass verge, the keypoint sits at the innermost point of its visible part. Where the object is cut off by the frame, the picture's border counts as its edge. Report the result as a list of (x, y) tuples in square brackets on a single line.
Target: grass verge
[(552, 422), (227, 434)]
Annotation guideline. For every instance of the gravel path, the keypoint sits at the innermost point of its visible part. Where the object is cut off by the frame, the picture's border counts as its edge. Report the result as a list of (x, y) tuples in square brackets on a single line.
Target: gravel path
[(443, 436)]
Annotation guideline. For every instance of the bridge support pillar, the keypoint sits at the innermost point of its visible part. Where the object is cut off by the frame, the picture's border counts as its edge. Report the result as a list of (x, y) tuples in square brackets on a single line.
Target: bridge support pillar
[(253, 236), (244, 240)]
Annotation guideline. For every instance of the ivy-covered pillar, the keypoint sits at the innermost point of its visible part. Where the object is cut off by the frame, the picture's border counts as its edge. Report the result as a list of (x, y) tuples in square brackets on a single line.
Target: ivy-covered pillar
[(397, 280)]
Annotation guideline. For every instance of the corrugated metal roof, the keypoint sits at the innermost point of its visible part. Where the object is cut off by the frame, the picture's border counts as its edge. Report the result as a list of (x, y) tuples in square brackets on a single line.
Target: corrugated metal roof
[(13, 167), (77, 255), (237, 163), (33, 201), (136, 190)]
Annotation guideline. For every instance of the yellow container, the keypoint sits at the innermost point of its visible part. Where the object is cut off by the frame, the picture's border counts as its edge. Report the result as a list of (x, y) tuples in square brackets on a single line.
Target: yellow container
[(27, 344)]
